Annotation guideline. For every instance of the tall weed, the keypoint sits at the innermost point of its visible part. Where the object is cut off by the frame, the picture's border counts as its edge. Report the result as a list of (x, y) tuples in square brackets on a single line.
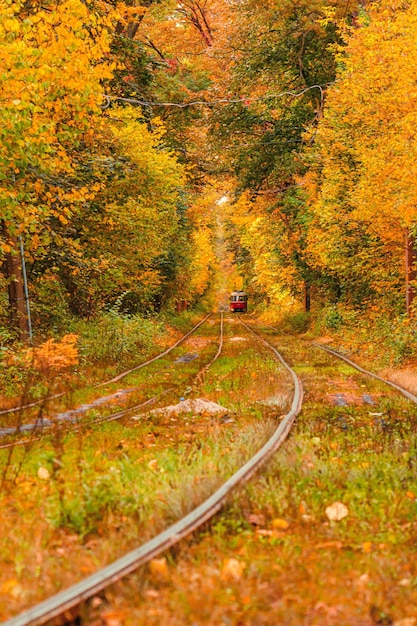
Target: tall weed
[(115, 336)]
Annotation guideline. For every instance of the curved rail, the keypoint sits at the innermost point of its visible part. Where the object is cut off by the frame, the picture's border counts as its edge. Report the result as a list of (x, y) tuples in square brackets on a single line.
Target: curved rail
[(264, 323), (123, 412), (155, 358), (405, 393), (112, 380), (199, 377), (64, 601)]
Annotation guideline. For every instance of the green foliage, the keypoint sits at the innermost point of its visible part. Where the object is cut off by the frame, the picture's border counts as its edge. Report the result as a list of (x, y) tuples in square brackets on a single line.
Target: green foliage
[(333, 318), (133, 75), (12, 375), (375, 335), (49, 305), (298, 322), (115, 336)]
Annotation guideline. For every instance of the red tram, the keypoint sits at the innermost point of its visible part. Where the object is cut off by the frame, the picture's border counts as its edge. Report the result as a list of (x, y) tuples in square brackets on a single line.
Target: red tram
[(238, 301)]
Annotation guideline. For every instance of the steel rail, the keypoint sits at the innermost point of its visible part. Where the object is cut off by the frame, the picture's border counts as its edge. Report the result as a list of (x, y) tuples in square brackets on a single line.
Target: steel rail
[(278, 354), (87, 424), (122, 375), (264, 323), (155, 358), (123, 412), (71, 597), (199, 377), (115, 416), (405, 393), (337, 354), (23, 407)]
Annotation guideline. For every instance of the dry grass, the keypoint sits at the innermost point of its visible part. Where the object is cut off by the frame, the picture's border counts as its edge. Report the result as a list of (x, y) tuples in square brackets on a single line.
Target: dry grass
[(108, 489), (295, 567)]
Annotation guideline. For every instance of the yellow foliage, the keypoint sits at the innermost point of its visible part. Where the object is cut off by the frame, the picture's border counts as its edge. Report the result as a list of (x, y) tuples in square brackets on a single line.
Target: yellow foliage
[(203, 261), (50, 90), (232, 569), (159, 569), (54, 355), (366, 188)]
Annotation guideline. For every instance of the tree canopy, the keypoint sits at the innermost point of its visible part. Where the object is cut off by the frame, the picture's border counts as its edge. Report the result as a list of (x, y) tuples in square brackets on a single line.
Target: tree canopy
[(120, 124)]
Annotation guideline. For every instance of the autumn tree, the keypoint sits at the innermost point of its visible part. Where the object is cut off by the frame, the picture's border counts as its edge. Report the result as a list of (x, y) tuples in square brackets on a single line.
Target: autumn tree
[(363, 182), (129, 227), (92, 188), (284, 63), (50, 92)]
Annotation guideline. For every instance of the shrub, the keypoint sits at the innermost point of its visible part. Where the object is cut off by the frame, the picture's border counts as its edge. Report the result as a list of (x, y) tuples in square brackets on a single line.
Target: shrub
[(115, 336), (296, 322), (333, 318)]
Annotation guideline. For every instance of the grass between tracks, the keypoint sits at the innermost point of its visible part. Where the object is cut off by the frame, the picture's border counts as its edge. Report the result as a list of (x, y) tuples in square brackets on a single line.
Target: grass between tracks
[(283, 553), (76, 501), (275, 555)]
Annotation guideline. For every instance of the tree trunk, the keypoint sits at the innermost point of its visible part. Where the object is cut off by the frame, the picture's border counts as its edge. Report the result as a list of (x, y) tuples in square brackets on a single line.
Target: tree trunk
[(410, 270), (14, 275), (131, 29), (307, 297)]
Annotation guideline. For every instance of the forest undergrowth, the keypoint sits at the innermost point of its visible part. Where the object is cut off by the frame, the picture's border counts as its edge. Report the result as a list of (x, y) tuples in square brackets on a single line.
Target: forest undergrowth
[(89, 352), (324, 536)]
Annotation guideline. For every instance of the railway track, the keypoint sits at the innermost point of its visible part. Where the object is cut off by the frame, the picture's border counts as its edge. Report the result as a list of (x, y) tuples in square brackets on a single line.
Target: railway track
[(65, 601), (24, 407), (73, 422), (339, 355)]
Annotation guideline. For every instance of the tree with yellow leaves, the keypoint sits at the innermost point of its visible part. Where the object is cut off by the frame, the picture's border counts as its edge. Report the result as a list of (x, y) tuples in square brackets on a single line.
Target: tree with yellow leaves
[(50, 91), (366, 179)]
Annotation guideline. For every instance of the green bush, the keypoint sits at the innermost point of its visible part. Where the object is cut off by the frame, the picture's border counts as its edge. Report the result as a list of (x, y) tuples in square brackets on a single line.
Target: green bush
[(296, 322), (115, 336), (333, 318)]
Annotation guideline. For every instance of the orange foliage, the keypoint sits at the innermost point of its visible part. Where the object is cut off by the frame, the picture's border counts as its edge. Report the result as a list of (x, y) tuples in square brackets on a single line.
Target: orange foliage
[(363, 191), (54, 355)]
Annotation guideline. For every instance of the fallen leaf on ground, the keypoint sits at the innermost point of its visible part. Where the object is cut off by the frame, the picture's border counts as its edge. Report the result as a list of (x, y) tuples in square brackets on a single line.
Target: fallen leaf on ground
[(43, 473), (280, 523), (363, 581), (96, 602), (159, 568), (10, 587), (263, 532), (112, 618), (232, 569), (336, 511), (256, 520), (302, 508)]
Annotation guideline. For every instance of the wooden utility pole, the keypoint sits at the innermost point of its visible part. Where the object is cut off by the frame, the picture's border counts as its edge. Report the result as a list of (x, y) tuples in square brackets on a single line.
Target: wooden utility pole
[(410, 270)]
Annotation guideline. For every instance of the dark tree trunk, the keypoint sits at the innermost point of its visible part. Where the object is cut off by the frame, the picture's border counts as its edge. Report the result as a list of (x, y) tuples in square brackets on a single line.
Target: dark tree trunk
[(14, 275), (410, 270), (307, 297), (131, 29)]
